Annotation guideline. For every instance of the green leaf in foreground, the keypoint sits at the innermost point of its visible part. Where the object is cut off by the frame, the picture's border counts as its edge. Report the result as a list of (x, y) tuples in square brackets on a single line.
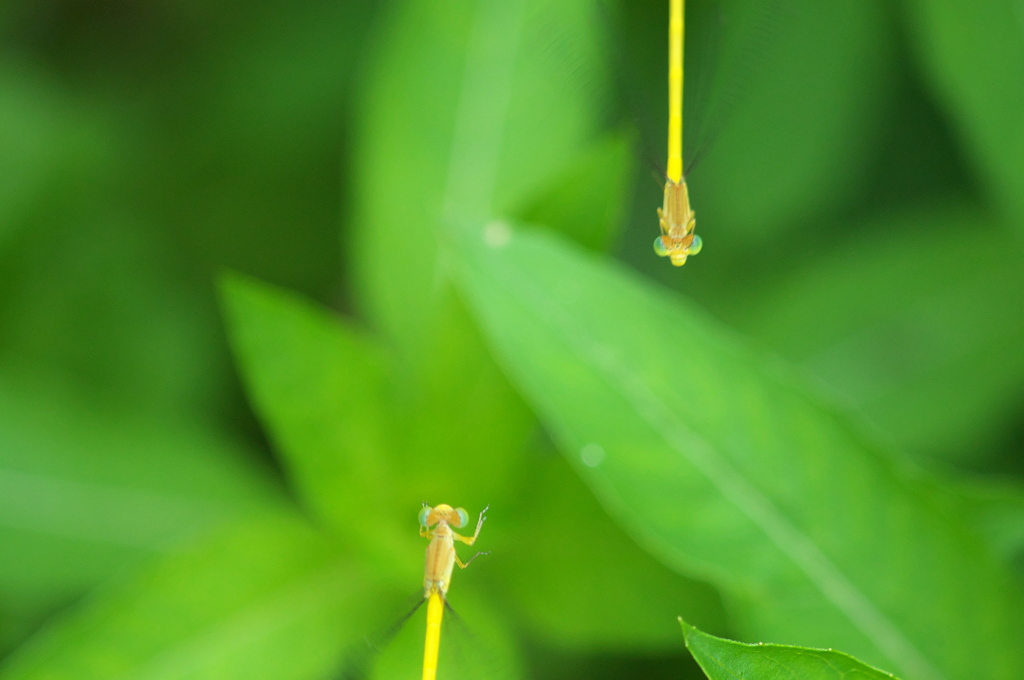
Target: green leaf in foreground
[(728, 660), (727, 467), (320, 387), (326, 392)]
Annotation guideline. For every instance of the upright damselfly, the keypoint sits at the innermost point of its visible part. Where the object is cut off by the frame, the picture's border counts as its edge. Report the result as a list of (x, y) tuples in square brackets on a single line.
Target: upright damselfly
[(676, 217), (436, 524)]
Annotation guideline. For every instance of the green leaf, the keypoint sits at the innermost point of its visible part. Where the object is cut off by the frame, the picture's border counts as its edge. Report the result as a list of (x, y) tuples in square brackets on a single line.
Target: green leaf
[(267, 599), (974, 54), (321, 389), (728, 660), (727, 467), (505, 95), (324, 391), (328, 396)]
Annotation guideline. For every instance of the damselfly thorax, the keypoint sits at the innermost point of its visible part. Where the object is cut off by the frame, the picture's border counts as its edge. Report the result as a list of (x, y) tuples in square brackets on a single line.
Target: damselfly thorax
[(678, 221)]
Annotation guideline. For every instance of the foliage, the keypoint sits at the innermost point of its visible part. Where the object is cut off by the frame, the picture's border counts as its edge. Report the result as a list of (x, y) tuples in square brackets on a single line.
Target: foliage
[(723, 464), (811, 435), (722, 659)]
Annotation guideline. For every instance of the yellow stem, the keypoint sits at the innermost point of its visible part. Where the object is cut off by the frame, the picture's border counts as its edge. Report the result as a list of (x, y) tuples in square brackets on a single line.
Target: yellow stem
[(435, 610), (675, 90)]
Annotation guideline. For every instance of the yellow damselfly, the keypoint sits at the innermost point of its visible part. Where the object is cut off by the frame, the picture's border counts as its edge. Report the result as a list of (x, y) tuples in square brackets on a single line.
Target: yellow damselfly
[(436, 524), (676, 218)]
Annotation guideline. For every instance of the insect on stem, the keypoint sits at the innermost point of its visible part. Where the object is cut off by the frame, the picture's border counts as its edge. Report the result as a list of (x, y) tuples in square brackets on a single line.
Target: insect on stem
[(675, 217), (436, 524)]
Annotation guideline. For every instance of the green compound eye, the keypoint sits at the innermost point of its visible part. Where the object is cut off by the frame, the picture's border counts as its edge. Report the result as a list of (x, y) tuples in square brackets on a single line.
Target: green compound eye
[(425, 515), (695, 246), (659, 247)]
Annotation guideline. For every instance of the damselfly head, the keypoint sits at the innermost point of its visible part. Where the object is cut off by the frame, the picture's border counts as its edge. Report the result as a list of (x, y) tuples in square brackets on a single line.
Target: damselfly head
[(677, 253), (456, 517)]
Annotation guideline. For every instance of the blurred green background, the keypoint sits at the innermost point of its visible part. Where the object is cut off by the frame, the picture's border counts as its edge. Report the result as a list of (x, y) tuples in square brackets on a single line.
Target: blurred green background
[(203, 475)]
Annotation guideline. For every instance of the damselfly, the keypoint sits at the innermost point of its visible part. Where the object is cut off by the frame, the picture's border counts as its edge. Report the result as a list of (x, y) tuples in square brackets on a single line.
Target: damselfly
[(436, 524), (393, 652), (676, 218)]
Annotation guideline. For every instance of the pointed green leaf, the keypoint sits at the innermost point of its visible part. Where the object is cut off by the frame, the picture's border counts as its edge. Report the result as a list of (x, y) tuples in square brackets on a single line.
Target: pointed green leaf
[(727, 466), (321, 388), (728, 660), (473, 106), (327, 394)]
